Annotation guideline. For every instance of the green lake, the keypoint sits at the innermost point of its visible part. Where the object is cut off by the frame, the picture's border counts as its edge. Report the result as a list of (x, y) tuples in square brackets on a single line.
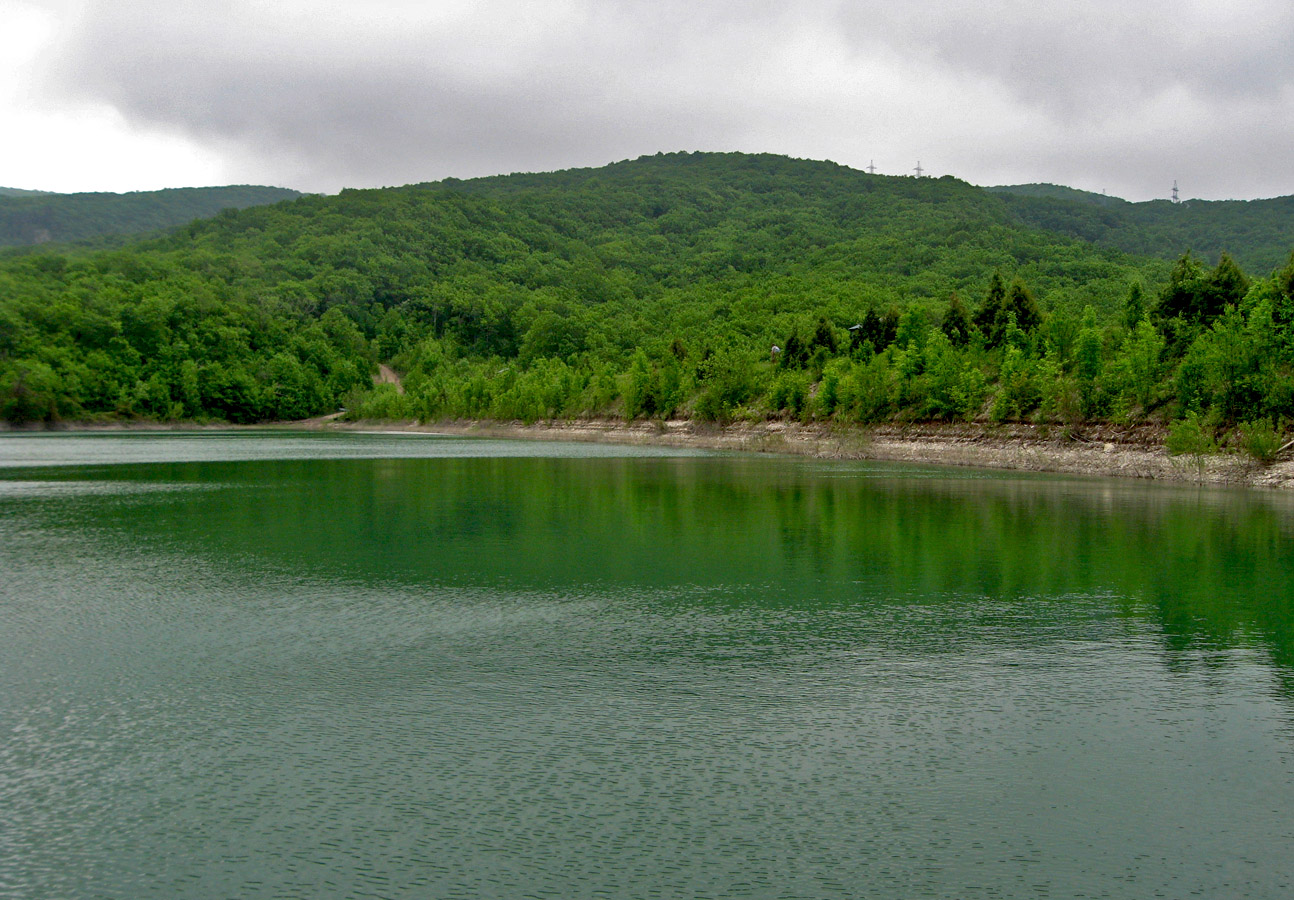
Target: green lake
[(287, 665)]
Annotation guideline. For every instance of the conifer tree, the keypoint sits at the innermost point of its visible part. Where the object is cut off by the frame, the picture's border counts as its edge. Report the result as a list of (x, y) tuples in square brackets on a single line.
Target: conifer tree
[(1134, 309), (1283, 310), (1021, 303), (1229, 285), (794, 353), (956, 324), (823, 337), (990, 313), (869, 331)]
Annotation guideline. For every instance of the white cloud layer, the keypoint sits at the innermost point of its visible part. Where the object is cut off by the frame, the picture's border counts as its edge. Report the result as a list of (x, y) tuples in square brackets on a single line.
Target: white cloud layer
[(1107, 95)]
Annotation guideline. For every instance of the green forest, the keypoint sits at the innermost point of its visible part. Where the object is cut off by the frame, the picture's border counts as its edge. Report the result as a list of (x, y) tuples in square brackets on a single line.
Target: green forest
[(660, 287), (1257, 233), (38, 217)]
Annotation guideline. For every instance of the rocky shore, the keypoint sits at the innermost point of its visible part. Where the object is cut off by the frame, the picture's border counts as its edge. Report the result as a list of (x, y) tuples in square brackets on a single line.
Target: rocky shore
[(1105, 450), (1132, 452)]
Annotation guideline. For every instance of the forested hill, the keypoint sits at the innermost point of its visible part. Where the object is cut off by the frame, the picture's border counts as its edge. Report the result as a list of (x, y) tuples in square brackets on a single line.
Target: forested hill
[(21, 192), (652, 287), (1256, 233), (676, 219), (36, 217)]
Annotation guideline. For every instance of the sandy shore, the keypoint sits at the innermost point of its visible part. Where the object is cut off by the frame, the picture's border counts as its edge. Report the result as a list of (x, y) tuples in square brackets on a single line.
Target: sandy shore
[(1103, 451)]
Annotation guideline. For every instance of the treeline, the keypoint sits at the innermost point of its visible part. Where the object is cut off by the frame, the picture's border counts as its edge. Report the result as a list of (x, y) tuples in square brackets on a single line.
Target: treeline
[(1256, 232), (36, 217), (651, 288), (126, 336), (1210, 344)]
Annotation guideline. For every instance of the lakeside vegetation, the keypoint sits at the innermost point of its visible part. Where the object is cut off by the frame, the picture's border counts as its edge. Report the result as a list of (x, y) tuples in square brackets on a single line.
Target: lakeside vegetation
[(653, 288)]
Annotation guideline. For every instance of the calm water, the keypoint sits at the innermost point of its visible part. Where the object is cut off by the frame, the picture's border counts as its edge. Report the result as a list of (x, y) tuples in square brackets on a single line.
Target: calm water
[(390, 666)]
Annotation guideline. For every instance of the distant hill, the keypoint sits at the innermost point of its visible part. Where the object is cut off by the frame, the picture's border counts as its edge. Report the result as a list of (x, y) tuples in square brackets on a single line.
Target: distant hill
[(21, 192), (1257, 233), (34, 217), (1056, 192)]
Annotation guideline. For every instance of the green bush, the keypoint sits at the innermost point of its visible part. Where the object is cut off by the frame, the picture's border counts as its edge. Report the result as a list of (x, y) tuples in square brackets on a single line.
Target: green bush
[(1190, 436), (789, 392), (1261, 440)]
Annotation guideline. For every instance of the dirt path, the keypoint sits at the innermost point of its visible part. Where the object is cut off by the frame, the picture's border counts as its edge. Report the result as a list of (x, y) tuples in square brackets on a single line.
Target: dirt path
[(317, 421), (387, 375)]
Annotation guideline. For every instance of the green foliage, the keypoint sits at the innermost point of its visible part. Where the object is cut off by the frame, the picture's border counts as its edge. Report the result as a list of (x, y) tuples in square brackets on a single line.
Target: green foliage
[(875, 331), (991, 315), (1256, 232), (29, 392), (790, 392), (868, 392), (32, 217), (727, 380), (642, 390), (1224, 369), (1135, 371), (955, 386), (1019, 388), (1197, 296), (1192, 438), (1190, 435), (1088, 365), (1261, 440), (1023, 307), (827, 399), (956, 324), (1134, 309), (794, 353), (383, 402), (824, 338), (649, 288)]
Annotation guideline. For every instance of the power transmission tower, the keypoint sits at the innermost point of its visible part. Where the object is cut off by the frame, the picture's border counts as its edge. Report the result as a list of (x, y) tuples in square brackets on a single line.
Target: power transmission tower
[(919, 170), (871, 167), (1175, 197)]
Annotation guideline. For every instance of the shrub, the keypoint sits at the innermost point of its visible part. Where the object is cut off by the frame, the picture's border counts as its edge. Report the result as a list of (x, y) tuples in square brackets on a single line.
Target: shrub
[(1261, 440), (789, 392), (1192, 438)]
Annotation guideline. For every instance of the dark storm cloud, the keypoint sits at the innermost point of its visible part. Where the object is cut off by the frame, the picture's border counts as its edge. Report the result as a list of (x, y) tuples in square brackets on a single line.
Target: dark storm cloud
[(1118, 94)]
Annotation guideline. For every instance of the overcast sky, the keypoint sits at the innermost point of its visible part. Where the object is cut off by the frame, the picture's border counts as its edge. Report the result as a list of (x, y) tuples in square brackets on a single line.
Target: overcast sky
[(1124, 96)]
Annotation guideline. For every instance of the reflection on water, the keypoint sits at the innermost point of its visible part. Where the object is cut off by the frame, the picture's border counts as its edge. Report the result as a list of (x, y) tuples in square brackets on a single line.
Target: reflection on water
[(486, 674)]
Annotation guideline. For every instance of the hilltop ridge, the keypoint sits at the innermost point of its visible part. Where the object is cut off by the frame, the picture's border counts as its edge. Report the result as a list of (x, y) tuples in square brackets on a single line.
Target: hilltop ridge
[(37, 217), (1256, 233)]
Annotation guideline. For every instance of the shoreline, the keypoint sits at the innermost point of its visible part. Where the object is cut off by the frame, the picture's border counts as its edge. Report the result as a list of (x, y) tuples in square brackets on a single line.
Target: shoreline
[(1100, 451)]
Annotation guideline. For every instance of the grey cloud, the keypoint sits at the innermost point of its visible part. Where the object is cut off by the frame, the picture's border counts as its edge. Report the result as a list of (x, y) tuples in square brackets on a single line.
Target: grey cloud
[(1083, 55), (395, 106), (320, 96)]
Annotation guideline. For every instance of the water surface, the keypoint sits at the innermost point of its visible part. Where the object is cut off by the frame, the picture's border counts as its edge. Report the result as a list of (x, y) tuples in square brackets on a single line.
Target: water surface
[(404, 666)]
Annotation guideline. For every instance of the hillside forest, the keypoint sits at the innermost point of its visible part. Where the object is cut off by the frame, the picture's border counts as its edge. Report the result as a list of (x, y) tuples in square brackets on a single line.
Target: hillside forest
[(36, 217), (713, 286)]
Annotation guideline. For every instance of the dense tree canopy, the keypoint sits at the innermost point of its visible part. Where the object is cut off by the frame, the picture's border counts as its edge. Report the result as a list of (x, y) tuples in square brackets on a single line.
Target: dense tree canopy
[(1256, 232), (37, 217)]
